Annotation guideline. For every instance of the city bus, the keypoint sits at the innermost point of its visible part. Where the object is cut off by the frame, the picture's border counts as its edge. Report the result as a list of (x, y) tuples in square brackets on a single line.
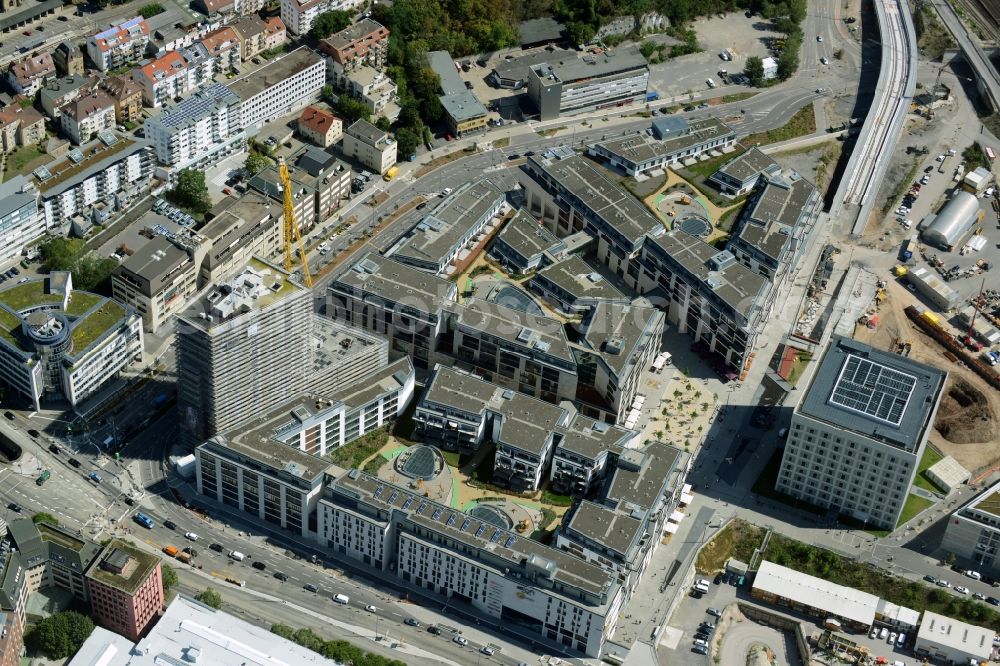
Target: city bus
[(144, 520)]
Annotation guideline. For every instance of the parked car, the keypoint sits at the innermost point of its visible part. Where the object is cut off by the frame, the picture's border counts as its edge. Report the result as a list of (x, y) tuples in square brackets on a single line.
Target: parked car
[(74, 462), (15, 507), (993, 601), (700, 642), (943, 583), (892, 638), (979, 595), (714, 612), (700, 649), (488, 650), (961, 590), (883, 633)]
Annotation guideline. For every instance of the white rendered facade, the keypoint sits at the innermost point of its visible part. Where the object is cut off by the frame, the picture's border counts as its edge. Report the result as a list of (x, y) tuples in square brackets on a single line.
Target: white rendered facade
[(20, 222), (290, 83), (199, 130), (299, 16)]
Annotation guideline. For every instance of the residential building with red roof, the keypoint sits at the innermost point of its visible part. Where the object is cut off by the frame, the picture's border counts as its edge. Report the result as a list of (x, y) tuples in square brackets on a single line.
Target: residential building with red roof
[(127, 96), (320, 126), (27, 75), (223, 45), (274, 33), (162, 79), (118, 45)]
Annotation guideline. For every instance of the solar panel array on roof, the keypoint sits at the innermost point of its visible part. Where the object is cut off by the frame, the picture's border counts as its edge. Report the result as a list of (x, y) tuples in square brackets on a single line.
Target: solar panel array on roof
[(873, 389)]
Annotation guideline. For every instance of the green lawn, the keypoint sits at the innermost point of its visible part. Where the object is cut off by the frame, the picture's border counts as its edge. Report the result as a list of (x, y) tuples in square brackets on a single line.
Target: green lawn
[(93, 325), (353, 454), (21, 161), (709, 166), (914, 505), (801, 361), (25, 295), (737, 97), (802, 123), (930, 457), (82, 301)]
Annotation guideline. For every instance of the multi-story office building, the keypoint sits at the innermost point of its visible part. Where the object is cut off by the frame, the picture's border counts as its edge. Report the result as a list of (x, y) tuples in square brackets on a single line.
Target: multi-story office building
[(370, 146), (363, 43), (859, 431), (572, 194), (272, 466), (240, 229), (973, 531), (586, 453), (252, 344), (200, 130), (437, 242), (53, 556), (706, 293), (320, 126), (59, 342), (572, 286), (617, 344), (671, 141), (320, 183), (83, 118), (157, 280), (284, 85), (621, 530), (298, 15), (524, 245), (532, 589), (396, 301), (741, 174), (125, 585), (617, 77), (464, 113), (119, 45), (104, 175), (20, 223), (460, 412), (773, 227), (528, 353), (28, 75)]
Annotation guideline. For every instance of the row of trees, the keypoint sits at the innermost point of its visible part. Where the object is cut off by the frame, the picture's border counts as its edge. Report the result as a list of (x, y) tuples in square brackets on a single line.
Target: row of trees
[(340, 651)]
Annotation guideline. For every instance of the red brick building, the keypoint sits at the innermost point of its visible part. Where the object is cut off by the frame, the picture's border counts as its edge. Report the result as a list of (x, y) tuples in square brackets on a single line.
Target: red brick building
[(126, 589)]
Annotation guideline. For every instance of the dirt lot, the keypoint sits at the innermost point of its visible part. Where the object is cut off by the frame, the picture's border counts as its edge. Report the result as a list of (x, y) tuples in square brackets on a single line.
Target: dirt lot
[(967, 425)]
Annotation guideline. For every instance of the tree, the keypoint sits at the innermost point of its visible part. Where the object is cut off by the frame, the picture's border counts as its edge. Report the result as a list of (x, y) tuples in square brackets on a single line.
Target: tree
[(383, 123), (59, 254), (60, 635), (210, 598), (754, 70), (256, 162), (91, 273), (350, 109), (151, 10), (43, 517), (647, 48), (788, 61), (190, 191), (406, 142), (169, 576), (328, 23)]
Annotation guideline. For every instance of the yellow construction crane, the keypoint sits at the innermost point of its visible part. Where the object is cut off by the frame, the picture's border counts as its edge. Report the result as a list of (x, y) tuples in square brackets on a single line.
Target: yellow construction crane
[(291, 226)]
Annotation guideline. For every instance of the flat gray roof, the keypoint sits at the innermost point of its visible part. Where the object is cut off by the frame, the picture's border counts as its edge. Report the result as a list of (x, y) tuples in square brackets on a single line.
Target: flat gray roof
[(526, 236), (641, 148), (874, 393), (535, 31), (492, 543), (441, 231), (621, 332), (462, 106), (736, 285), (751, 163), (396, 282), (274, 72), (594, 190), (154, 261), (641, 476), (579, 279), (444, 66), (616, 531), (367, 132), (774, 214), (540, 334), (516, 69), (13, 195), (385, 380), (592, 66), (353, 32), (333, 343), (590, 438)]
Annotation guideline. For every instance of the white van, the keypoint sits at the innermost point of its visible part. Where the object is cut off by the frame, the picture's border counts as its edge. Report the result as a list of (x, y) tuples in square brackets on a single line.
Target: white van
[(342, 599), (711, 83), (237, 555)]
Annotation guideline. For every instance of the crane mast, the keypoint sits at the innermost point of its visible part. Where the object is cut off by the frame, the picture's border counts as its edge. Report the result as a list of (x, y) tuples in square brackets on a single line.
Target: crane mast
[(291, 228)]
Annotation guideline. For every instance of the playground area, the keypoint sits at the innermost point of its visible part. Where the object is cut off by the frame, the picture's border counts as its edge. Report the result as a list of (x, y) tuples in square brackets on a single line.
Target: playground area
[(680, 205)]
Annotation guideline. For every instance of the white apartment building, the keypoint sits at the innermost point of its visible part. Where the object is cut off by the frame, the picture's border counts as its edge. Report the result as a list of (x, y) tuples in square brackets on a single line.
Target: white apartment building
[(200, 130), (283, 86), (859, 432), (115, 172), (63, 342), (371, 86), (118, 45), (370, 146), (586, 453), (85, 116), (20, 223), (299, 16), (163, 79)]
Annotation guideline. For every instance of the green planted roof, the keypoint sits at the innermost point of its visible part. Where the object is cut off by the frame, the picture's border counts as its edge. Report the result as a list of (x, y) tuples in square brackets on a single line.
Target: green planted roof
[(81, 301), (27, 295), (95, 324), (9, 324)]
